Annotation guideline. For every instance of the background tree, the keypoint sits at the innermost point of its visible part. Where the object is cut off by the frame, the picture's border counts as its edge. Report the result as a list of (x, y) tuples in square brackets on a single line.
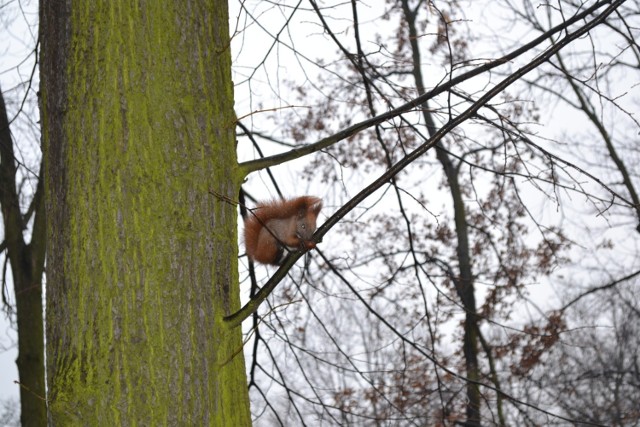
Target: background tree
[(27, 267), (594, 375), (22, 245)]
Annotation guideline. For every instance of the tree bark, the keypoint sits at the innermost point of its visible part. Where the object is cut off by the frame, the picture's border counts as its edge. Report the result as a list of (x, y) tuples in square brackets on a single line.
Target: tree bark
[(138, 127)]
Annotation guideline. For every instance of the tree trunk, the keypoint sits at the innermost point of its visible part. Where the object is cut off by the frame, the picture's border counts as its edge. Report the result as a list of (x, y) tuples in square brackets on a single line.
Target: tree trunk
[(464, 282), (465, 289), (138, 128), (27, 263)]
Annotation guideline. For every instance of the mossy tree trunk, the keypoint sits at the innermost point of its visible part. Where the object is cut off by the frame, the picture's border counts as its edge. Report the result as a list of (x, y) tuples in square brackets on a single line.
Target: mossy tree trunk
[(138, 127)]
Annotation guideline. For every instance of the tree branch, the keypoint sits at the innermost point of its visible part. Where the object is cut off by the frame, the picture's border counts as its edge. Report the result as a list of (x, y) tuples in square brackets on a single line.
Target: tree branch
[(250, 307), (600, 288), (258, 164)]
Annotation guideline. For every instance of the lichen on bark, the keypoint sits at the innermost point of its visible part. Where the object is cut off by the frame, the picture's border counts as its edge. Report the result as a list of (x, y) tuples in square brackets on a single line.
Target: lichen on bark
[(145, 268)]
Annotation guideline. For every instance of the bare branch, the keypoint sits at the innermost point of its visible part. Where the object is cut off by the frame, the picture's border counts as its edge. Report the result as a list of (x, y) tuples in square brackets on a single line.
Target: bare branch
[(258, 164)]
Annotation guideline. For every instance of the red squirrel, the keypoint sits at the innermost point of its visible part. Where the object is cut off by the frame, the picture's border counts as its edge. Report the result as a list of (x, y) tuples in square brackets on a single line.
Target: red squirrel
[(275, 226)]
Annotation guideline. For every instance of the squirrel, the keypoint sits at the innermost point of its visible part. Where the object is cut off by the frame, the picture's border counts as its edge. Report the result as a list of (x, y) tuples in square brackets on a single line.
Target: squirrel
[(275, 226)]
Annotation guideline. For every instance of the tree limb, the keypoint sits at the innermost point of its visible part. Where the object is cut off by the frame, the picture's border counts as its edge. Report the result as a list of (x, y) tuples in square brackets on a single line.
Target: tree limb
[(258, 164), (250, 307)]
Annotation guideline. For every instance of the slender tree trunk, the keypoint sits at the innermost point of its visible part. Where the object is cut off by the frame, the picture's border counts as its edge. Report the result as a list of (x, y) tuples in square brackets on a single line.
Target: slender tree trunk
[(27, 262), (464, 282), (466, 291), (30, 361), (138, 126)]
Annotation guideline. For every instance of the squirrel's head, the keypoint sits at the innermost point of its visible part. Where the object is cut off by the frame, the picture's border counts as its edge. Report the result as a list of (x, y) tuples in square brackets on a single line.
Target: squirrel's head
[(306, 220)]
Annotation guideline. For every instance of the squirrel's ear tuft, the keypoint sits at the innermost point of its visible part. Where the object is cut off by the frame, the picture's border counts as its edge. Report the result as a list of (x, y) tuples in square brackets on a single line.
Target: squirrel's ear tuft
[(316, 205)]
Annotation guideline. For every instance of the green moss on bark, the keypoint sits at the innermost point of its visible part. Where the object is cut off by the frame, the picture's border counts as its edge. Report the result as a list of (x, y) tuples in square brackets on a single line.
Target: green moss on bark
[(149, 257)]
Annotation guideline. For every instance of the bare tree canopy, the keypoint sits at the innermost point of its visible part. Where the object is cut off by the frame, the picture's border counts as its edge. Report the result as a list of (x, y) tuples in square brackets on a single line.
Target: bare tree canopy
[(444, 282)]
